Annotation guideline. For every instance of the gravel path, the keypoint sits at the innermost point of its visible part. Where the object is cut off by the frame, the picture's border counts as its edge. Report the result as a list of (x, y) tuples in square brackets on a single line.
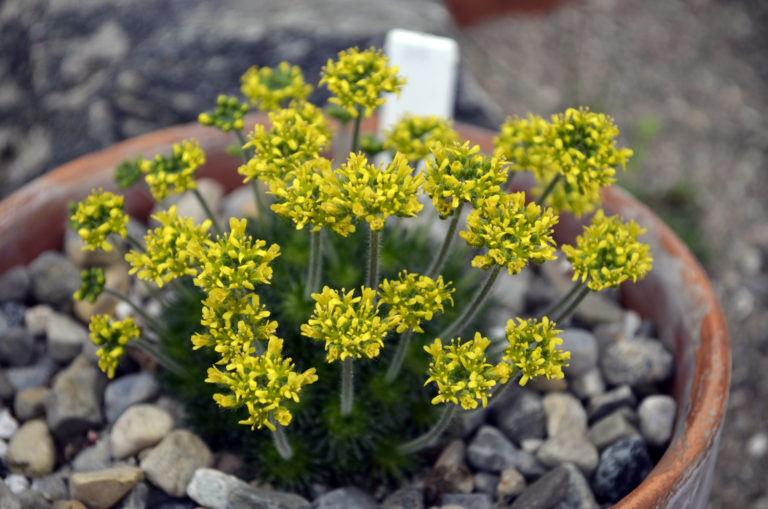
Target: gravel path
[(686, 82)]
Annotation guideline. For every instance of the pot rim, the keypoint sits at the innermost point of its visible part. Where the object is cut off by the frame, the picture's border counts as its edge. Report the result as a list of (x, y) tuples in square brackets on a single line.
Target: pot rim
[(697, 333)]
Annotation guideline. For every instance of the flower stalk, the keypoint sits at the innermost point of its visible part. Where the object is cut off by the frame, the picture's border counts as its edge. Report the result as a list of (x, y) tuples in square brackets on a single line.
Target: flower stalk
[(434, 432), (347, 386), (374, 249), (438, 262), (208, 211), (399, 357), (473, 307), (282, 445)]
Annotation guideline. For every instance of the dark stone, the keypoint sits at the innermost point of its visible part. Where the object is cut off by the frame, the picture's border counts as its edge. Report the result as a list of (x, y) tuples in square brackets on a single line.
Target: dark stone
[(603, 404), (523, 418), (622, 467), (491, 451), (545, 493), (14, 284), (17, 346), (54, 280), (13, 313)]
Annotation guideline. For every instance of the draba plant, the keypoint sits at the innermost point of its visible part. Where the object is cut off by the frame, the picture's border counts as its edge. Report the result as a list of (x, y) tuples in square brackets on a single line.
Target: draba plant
[(288, 323)]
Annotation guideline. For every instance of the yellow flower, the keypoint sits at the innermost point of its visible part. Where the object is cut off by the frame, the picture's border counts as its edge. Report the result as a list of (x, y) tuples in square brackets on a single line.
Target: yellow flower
[(167, 255), (521, 141), (414, 135), (514, 232), (298, 134), (414, 298), (462, 372), (461, 174), (263, 385), (349, 324), (234, 260), (608, 253), (233, 324), (358, 78), (304, 198), (111, 336), (373, 194), (533, 349), (269, 88), (175, 174), (228, 114), (98, 216)]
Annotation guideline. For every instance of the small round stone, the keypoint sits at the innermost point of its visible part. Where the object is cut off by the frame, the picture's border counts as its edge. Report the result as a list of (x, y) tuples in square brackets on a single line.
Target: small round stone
[(636, 362), (139, 427), (622, 467), (31, 451), (657, 419)]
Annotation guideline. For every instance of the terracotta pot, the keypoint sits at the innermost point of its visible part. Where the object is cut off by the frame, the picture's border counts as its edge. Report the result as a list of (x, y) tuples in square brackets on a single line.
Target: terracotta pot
[(676, 295), (467, 12)]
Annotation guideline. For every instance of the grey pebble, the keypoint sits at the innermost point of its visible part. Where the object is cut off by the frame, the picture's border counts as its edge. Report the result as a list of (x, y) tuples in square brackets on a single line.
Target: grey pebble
[(603, 404), (467, 500), (564, 413), (523, 417), (611, 428), (128, 390), (579, 494), (17, 346), (409, 497), (14, 284), (657, 419), (65, 337), (36, 375), (54, 280), (217, 490), (491, 451), (548, 491), (583, 348), (636, 362), (345, 498), (587, 385), (622, 467), (486, 483), (75, 402), (569, 447)]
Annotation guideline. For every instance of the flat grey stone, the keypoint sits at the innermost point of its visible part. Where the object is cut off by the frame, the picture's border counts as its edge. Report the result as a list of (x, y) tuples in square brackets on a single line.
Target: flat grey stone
[(636, 362), (95, 457), (453, 454), (564, 413), (569, 447), (54, 280), (487, 483), (583, 348), (523, 417), (139, 427), (51, 487), (587, 385), (171, 464), (74, 404), (17, 346), (603, 404), (36, 375), (345, 498), (657, 419), (65, 337), (611, 428), (548, 491), (14, 284), (468, 500), (579, 494), (491, 451), (8, 499), (128, 390), (409, 497)]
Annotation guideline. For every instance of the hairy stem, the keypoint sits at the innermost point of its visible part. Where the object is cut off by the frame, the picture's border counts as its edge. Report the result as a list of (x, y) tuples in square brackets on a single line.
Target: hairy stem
[(281, 441), (356, 130), (397, 360), (474, 306), (572, 306), (436, 430), (372, 276), (439, 261), (565, 298), (159, 357), (547, 190), (150, 321), (347, 385), (208, 211), (315, 264)]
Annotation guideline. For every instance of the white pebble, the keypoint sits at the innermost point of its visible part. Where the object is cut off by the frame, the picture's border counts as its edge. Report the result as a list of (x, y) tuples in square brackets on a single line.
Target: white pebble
[(17, 483), (8, 425), (757, 445)]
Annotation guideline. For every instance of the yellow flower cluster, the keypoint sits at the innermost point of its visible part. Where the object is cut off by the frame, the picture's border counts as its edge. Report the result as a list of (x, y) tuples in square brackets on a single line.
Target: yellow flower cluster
[(578, 145), (298, 134), (514, 232), (111, 336), (414, 298), (233, 324), (228, 114), (304, 199), (350, 325), (98, 216), (414, 135), (533, 349), (91, 284), (262, 384), (373, 194), (233, 261), (175, 174), (167, 255), (608, 253), (520, 141), (268, 88), (462, 372), (358, 78), (461, 174)]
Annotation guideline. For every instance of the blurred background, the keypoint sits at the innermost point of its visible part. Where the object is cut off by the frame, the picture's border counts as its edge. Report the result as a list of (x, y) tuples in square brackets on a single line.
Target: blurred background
[(685, 81)]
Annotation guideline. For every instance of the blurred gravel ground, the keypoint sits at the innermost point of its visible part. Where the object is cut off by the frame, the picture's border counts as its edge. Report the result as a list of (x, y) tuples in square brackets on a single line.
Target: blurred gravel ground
[(685, 81)]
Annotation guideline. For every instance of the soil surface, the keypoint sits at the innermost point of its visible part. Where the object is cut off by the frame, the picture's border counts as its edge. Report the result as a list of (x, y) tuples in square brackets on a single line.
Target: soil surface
[(685, 81)]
